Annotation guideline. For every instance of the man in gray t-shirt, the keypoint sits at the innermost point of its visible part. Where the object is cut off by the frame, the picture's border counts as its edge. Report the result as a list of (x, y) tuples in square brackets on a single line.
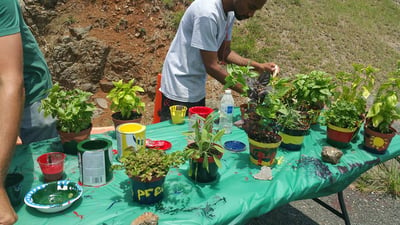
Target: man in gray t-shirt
[(201, 42)]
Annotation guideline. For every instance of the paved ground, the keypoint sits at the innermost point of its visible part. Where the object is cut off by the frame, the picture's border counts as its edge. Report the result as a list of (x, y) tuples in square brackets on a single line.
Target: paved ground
[(363, 209)]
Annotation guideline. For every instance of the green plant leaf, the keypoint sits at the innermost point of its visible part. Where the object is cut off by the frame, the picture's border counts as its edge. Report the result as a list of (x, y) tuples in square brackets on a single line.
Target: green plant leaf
[(124, 98), (72, 108), (217, 161)]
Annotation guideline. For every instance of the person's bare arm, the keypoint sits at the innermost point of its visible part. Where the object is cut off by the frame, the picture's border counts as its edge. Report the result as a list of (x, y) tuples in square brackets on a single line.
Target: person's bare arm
[(226, 54), (11, 101), (210, 61)]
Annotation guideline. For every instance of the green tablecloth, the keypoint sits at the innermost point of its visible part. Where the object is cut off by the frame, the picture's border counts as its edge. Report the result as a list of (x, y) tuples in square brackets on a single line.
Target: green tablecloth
[(233, 199)]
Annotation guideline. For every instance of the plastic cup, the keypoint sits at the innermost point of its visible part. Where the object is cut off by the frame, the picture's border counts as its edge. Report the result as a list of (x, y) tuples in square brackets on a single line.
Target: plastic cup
[(178, 113), (13, 188), (52, 165), (202, 111)]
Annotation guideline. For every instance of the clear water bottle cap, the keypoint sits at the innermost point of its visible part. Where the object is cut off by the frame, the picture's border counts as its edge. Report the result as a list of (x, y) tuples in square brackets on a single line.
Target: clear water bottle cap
[(228, 91)]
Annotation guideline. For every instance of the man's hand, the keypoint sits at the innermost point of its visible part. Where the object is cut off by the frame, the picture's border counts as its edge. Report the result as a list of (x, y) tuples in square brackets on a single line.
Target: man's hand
[(269, 66)]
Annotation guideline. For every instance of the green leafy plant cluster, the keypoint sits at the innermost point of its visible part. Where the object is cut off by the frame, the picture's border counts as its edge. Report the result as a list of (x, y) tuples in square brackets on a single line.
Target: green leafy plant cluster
[(148, 163), (125, 99), (273, 101), (266, 99), (293, 119), (263, 126), (349, 103), (71, 108), (239, 75), (356, 87), (343, 114), (205, 142), (385, 107), (312, 90)]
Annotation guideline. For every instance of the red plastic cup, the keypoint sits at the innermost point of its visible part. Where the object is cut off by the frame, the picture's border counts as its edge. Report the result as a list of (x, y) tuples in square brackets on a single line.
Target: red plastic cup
[(202, 111), (52, 165)]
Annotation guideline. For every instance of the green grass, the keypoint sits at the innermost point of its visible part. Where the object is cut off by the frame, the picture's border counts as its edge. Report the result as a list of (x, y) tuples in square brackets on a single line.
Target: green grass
[(304, 35), (383, 178)]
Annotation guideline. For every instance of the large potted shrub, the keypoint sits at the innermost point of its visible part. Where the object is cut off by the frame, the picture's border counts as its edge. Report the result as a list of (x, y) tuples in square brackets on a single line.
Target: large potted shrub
[(204, 150), (73, 112), (378, 131), (147, 169), (126, 103)]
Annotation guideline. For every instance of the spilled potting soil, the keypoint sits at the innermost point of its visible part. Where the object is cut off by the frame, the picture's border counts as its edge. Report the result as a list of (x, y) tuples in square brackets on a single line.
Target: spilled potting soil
[(321, 170)]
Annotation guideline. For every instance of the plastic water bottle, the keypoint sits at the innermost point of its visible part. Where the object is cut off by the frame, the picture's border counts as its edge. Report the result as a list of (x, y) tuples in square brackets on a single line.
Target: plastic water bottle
[(226, 112)]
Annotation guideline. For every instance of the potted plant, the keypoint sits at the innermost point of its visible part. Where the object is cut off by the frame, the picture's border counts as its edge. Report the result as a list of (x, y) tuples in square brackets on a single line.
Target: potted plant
[(378, 132), (355, 87), (147, 169), (261, 125), (347, 111), (342, 119), (73, 112), (204, 150), (294, 125), (312, 92), (266, 94), (125, 102)]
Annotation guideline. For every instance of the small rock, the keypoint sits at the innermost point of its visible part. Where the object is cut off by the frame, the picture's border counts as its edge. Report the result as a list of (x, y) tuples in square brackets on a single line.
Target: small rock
[(147, 218), (101, 102), (264, 174), (331, 155)]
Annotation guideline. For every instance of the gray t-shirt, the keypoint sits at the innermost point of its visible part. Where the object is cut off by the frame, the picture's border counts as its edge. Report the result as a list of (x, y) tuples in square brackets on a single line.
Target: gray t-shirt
[(204, 26)]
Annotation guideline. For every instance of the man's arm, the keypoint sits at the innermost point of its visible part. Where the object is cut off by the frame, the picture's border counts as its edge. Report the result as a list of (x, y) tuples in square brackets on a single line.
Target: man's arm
[(226, 54), (11, 101), (214, 69)]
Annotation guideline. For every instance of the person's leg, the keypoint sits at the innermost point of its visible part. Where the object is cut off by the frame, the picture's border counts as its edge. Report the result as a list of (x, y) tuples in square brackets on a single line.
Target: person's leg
[(164, 112), (36, 127)]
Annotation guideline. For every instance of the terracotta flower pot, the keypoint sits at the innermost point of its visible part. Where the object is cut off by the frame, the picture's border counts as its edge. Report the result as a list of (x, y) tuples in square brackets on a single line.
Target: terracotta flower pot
[(376, 142), (117, 118), (339, 137), (70, 140)]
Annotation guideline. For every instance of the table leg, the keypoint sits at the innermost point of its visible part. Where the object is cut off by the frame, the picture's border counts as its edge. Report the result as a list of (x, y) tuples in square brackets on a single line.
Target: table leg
[(344, 215)]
